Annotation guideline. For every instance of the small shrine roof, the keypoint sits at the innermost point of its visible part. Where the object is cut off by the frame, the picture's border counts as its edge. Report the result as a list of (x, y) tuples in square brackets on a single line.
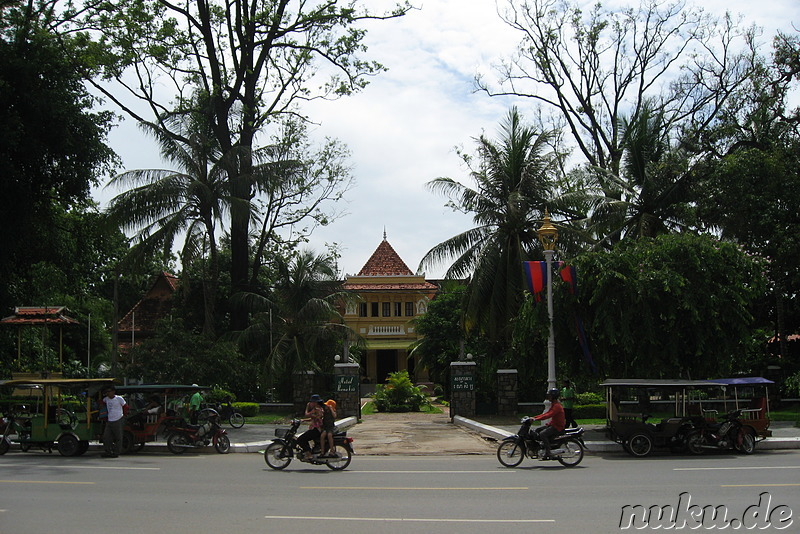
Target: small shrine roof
[(39, 315)]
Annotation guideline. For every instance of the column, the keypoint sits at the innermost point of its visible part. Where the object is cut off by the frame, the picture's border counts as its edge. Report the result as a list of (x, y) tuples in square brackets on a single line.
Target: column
[(348, 390), (462, 389), (507, 391)]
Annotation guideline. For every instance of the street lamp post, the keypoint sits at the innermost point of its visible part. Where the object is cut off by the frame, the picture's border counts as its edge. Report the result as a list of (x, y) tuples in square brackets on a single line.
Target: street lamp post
[(548, 235)]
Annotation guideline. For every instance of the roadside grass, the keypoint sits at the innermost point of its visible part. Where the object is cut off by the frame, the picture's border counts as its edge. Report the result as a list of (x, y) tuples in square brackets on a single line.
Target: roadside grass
[(269, 418)]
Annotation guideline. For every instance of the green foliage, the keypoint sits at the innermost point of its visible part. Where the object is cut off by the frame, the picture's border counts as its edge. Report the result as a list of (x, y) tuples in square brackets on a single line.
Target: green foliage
[(589, 411), (589, 397), (791, 387), (219, 394), (247, 409), (641, 294), (399, 394)]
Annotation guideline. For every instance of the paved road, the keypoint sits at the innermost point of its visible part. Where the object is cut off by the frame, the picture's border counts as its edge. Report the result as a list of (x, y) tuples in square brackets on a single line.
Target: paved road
[(465, 494)]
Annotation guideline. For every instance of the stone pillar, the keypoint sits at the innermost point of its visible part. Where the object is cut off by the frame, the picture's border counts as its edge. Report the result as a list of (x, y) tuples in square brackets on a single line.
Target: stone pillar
[(506, 391), (302, 388), (348, 390), (462, 389)]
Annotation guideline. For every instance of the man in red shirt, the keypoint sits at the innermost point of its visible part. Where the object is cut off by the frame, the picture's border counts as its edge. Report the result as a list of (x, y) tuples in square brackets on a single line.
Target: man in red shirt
[(557, 422)]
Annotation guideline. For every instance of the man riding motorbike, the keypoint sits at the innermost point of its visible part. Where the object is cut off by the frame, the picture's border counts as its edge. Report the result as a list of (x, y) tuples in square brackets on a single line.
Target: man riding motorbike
[(555, 426)]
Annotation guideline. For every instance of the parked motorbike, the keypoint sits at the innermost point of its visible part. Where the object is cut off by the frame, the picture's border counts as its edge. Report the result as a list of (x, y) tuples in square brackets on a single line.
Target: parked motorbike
[(228, 413), (566, 448), (730, 433), (284, 448), (185, 436)]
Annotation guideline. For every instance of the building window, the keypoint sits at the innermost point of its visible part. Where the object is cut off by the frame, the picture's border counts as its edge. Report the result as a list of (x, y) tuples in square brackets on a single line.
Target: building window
[(387, 309), (362, 309), (398, 309), (409, 309), (374, 309)]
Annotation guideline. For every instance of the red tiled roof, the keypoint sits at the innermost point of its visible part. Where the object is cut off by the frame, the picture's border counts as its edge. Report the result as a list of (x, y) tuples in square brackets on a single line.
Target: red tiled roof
[(385, 262), (154, 306), (39, 315), (427, 286)]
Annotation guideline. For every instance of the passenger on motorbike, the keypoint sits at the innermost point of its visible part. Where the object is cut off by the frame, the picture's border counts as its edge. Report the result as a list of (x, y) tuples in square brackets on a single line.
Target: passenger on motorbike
[(556, 424), (314, 412)]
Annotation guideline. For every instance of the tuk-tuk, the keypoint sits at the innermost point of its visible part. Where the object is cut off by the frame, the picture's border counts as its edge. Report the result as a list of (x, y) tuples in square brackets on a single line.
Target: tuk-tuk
[(144, 424), (59, 413), (680, 406), (631, 405), (750, 395)]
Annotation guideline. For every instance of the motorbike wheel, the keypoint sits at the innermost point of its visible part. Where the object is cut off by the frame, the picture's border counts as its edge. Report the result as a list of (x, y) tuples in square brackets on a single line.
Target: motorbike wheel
[(223, 444), (68, 445), (177, 442), (746, 442), (573, 453), (337, 464), (4, 445), (510, 453), (277, 456), (640, 445), (236, 420), (694, 442)]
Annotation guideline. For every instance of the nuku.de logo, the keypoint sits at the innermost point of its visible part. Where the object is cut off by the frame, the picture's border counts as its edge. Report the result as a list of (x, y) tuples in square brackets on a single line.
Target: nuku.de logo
[(686, 515)]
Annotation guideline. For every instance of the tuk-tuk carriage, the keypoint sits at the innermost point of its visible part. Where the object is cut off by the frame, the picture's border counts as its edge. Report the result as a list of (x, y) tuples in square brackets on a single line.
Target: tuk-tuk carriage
[(631, 405), (56, 413), (680, 406), (144, 423)]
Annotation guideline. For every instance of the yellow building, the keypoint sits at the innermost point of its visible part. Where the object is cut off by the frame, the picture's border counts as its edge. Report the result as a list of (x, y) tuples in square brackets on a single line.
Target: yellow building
[(391, 296)]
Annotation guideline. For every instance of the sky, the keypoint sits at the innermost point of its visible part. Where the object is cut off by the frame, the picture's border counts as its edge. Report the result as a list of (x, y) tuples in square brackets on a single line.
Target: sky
[(403, 128)]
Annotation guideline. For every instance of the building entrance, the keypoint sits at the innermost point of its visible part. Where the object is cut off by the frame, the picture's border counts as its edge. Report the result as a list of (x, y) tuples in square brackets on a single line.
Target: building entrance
[(385, 363)]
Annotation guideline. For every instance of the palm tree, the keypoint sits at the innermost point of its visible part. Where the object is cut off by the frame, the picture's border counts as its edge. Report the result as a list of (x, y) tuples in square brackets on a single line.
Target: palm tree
[(514, 180), (649, 197), (300, 322), (164, 205)]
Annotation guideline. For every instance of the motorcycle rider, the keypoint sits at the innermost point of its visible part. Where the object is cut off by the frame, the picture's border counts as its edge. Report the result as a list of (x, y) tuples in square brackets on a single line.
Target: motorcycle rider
[(556, 424)]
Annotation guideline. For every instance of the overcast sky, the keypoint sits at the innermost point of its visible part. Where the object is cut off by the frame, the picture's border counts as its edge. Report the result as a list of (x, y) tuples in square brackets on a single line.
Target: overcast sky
[(402, 129)]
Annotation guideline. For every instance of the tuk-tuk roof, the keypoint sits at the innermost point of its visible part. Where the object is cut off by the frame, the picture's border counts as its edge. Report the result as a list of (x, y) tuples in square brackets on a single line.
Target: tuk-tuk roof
[(742, 381), (159, 387), (656, 382), (65, 382)]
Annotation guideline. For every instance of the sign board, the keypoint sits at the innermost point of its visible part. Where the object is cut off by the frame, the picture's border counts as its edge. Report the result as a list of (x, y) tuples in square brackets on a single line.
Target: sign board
[(347, 383), (462, 383)]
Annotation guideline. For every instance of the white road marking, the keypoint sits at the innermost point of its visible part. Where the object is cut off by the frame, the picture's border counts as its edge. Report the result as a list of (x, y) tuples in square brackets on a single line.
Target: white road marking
[(741, 468), (407, 519), (64, 466)]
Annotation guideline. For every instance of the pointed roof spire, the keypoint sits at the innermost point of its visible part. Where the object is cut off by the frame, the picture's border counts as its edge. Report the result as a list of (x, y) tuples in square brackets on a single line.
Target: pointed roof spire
[(385, 262)]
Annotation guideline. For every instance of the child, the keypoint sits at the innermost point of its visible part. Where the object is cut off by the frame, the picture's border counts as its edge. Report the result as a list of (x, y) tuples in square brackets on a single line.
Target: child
[(328, 428)]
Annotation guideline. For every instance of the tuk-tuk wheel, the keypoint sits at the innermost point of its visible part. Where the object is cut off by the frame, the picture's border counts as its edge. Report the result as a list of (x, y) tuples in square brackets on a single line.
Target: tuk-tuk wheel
[(4, 445), (68, 445), (640, 445)]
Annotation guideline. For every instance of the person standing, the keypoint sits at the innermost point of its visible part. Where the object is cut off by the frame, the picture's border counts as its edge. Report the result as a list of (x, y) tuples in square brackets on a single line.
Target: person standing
[(195, 402), (568, 402), (112, 435)]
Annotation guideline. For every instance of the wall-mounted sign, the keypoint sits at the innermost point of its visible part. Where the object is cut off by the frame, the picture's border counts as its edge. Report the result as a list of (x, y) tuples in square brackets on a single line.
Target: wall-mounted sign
[(347, 383), (462, 383)]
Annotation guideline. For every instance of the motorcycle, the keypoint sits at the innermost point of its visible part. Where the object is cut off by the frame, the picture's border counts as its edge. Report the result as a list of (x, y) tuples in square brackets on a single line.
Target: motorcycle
[(284, 448), (229, 414), (728, 434), (566, 448), (185, 436)]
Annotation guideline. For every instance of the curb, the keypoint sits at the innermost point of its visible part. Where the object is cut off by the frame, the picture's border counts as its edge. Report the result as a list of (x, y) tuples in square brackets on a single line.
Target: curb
[(608, 445)]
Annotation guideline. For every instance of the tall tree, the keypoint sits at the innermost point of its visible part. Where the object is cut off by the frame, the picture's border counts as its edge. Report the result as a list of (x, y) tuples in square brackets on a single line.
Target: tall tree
[(306, 325), (163, 205), (254, 59), (591, 69), (52, 145), (514, 180)]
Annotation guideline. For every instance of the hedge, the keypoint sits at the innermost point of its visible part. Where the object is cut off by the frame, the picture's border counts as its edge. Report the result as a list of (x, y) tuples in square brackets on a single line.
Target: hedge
[(589, 411)]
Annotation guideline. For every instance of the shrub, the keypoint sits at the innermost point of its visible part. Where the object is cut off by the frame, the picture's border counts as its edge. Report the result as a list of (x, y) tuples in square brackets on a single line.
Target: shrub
[(247, 409), (399, 394), (590, 411), (589, 398)]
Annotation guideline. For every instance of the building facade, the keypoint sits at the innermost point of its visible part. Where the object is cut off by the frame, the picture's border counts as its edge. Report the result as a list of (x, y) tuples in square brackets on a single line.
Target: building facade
[(390, 297)]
